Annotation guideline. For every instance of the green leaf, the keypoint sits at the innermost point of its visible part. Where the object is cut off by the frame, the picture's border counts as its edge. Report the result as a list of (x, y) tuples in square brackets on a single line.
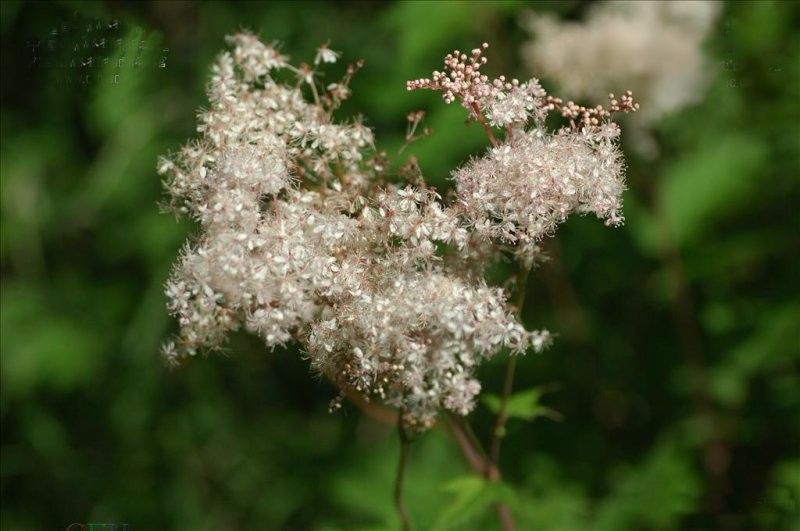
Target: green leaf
[(780, 507), (362, 489), (474, 495), (654, 494), (770, 348), (699, 191), (523, 405), (43, 349), (709, 184)]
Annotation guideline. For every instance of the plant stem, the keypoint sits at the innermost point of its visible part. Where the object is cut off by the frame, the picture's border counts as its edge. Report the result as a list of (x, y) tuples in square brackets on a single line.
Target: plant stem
[(466, 440), (480, 464), (491, 468), (405, 445), (502, 417), (508, 383), (486, 127)]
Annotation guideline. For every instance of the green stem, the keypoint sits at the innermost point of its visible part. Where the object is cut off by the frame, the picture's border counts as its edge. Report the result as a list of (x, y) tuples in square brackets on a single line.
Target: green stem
[(405, 445), (502, 417), (508, 382)]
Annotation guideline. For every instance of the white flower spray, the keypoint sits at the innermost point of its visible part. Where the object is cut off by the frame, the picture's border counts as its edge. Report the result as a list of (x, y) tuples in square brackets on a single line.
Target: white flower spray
[(302, 239)]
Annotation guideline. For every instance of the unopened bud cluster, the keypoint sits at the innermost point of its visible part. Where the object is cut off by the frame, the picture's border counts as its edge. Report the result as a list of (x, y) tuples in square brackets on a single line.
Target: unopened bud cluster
[(302, 239)]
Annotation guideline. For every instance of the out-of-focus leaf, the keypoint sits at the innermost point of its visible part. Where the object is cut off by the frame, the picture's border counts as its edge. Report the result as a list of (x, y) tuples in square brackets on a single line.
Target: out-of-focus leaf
[(654, 494), (558, 509), (41, 348), (474, 495), (363, 488), (642, 226), (709, 184), (781, 507), (523, 405), (774, 346), (698, 191), (46, 435)]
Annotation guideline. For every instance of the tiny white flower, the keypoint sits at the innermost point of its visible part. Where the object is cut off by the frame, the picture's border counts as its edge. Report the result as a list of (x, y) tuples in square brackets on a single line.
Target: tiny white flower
[(325, 55)]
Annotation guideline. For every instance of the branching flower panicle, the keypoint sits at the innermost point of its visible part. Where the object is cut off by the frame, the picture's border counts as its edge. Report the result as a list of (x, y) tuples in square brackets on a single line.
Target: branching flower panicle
[(523, 187), (303, 240)]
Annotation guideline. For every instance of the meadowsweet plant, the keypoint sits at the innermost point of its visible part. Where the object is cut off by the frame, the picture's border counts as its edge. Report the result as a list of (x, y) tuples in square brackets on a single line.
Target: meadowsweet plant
[(303, 238)]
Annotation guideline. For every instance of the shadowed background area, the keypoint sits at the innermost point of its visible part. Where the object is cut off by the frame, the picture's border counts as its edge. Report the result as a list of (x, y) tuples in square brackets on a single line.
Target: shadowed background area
[(675, 371)]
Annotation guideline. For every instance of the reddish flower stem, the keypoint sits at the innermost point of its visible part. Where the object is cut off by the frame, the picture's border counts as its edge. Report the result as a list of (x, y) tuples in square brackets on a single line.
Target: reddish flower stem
[(482, 121)]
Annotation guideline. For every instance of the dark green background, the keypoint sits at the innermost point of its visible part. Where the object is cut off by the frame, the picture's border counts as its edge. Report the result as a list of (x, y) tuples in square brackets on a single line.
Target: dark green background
[(678, 351)]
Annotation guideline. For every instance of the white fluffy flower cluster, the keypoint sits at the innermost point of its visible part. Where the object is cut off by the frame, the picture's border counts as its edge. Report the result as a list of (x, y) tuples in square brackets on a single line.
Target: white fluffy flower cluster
[(520, 191), (303, 240), (524, 187), (654, 48)]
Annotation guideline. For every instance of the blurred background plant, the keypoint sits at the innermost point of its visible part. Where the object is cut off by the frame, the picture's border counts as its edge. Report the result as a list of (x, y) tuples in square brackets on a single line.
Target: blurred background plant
[(678, 357)]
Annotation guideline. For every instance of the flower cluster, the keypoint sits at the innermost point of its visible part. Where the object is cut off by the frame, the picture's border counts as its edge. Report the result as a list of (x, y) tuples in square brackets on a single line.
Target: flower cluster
[(504, 102), (525, 186), (519, 192), (302, 239), (653, 47)]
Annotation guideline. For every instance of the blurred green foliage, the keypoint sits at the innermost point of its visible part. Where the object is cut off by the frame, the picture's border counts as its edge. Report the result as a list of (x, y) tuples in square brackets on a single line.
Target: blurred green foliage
[(678, 355)]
